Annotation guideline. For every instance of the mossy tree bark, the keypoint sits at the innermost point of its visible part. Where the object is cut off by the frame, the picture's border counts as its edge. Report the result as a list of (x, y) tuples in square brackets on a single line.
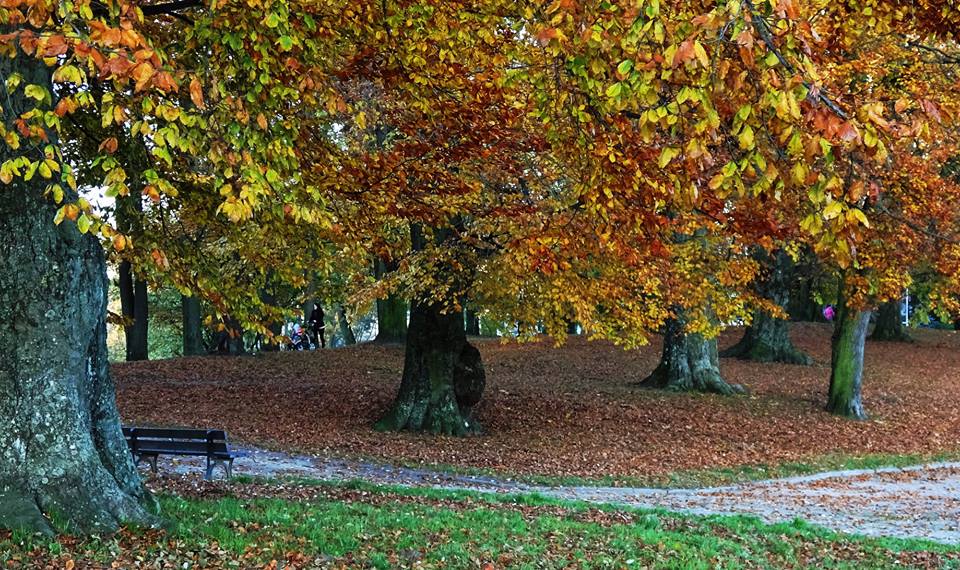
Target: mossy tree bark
[(443, 376), (846, 370), (767, 339), (64, 465), (889, 325), (689, 363), (192, 325), (391, 312)]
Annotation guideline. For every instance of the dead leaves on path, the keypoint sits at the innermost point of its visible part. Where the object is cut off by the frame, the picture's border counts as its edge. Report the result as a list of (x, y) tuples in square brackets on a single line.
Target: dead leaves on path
[(564, 411)]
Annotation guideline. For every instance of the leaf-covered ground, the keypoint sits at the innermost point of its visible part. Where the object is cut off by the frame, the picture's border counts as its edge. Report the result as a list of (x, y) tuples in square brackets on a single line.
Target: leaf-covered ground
[(565, 411), (304, 526)]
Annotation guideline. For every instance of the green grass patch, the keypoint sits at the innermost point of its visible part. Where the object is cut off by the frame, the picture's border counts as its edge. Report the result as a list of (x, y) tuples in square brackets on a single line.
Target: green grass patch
[(361, 525)]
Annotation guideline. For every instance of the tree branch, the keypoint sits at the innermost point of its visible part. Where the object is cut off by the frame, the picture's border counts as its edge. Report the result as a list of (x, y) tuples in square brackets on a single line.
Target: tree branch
[(763, 30)]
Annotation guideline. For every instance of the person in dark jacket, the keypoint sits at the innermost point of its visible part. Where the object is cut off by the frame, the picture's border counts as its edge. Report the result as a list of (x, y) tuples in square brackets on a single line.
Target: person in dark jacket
[(317, 326)]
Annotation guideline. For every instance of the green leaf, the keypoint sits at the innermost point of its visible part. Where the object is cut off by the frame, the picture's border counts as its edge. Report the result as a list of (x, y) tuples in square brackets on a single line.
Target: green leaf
[(31, 170), (668, 155), (35, 92), (13, 81), (272, 20), (285, 43), (84, 223), (625, 67)]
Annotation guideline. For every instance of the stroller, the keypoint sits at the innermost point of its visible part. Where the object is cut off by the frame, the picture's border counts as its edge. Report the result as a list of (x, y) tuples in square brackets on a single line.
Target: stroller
[(299, 340)]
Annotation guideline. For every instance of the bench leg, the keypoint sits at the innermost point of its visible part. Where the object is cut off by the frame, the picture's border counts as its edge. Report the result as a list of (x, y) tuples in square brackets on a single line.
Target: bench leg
[(151, 460), (227, 467)]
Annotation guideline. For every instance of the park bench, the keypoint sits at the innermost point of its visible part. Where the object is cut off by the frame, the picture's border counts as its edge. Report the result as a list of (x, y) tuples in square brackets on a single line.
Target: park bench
[(147, 443)]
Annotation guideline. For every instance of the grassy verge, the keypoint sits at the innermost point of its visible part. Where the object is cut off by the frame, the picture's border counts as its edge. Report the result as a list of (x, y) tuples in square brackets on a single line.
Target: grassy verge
[(256, 525)]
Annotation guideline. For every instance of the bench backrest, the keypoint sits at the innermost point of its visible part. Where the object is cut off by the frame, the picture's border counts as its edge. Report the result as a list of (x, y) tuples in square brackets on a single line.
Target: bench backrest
[(177, 440)]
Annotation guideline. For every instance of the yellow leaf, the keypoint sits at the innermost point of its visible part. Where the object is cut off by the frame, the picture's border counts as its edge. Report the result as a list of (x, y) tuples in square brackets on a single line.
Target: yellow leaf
[(668, 155), (701, 54), (746, 138), (833, 210)]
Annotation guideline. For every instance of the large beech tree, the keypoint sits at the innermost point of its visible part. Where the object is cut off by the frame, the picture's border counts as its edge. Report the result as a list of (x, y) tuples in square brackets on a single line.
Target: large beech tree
[(767, 337), (65, 464), (547, 154), (63, 453)]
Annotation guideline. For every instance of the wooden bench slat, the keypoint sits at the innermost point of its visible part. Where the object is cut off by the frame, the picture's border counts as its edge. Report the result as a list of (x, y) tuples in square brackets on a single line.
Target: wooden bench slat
[(168, 446), (176, 433)]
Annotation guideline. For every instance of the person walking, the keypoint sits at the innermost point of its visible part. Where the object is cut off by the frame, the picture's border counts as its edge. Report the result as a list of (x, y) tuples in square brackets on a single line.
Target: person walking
[(317, 326)]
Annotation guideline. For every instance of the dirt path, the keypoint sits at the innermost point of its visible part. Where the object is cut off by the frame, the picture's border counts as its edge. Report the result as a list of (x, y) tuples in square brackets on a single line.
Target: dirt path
[(917, 502)]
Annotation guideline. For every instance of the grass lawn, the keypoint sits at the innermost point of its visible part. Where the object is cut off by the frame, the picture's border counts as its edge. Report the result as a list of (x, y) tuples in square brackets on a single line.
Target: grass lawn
[(258, 524)]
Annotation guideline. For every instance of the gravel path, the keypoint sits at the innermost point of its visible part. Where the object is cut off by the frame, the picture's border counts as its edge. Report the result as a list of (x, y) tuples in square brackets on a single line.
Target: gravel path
[(916, 502)]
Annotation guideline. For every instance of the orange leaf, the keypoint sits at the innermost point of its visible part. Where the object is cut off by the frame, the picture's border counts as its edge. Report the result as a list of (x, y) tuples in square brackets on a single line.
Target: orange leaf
[(196, 93)]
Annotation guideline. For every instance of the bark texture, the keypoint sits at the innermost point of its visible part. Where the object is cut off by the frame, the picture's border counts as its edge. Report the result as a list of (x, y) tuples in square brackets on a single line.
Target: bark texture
[(192, 325), (391, 312), (767, 339), (134, 305), (846, 371), (135, 309), (471, 320), (64, 465), (443, 376), (346, 332), (689, 363), (889, 326)]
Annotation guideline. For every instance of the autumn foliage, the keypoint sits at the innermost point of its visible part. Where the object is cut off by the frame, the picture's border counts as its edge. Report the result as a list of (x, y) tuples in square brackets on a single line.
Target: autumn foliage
[(604, 163)]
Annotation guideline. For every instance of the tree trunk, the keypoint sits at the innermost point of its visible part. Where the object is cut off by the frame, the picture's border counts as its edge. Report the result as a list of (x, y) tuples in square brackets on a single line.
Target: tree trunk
[(65, 465), (391, 312), (688, 363), (134, 306), (802, 306), (767, 339), (889, 325), (443, 376), (345, 331), (472, 320), (846, 372), (275, 328), (192, 325)]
